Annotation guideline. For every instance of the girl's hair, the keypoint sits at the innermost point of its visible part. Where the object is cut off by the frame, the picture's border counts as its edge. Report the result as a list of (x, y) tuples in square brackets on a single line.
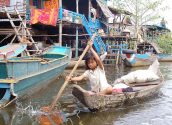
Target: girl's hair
[(89, 56)]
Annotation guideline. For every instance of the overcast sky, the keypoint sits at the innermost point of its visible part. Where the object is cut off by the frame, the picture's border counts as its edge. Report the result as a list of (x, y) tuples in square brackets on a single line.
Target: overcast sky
[(168, 14)]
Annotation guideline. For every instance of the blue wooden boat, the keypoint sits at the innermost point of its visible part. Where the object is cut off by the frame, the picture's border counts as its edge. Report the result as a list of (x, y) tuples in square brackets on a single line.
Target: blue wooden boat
[(164, 57), (11, 50), (20, 75), (132, 59)]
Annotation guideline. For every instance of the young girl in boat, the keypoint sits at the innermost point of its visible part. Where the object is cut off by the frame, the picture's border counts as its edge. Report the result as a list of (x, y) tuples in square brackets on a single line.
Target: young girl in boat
[(95, 73)]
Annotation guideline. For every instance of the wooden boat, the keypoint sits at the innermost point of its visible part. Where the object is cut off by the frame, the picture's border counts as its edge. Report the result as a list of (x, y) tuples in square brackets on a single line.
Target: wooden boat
[(132, 59), (165, 57), (20, 75), (11, 50), (155, 49), (97, 102)]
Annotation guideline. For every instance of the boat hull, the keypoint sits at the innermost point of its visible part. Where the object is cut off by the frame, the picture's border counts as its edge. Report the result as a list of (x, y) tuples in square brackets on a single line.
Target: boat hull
[(164, 57), (36, 82), (137, 60), (97, 102), (23, 76)]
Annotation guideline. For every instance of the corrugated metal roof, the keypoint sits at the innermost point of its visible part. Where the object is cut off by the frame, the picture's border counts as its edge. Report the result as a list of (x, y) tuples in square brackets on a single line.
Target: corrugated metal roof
[(119, 11), (156, 27), (105, 9)]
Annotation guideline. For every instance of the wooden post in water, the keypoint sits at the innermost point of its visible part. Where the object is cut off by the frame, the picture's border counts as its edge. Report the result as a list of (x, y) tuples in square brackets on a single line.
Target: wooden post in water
[(117, 53), (117, 58), (89, 4), (60, 25), (76, 46)]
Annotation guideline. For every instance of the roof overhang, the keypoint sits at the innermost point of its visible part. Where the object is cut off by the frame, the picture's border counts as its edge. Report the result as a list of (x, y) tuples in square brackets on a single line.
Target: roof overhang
[(119, 11), (105, 9)]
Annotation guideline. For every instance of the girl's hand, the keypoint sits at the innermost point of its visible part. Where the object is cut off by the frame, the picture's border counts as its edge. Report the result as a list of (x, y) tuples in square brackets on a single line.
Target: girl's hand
[(91, 41), (68, 78)]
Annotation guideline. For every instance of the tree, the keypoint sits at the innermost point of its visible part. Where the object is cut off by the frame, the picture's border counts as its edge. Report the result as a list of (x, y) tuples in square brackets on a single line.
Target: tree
[(144, 11), (165, 42)]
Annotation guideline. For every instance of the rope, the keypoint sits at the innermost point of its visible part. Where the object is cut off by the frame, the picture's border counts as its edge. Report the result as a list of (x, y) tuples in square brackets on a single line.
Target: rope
[(6, 37)]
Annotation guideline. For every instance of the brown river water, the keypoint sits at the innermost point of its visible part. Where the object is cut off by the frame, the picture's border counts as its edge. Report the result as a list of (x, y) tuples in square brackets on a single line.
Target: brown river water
[(153, 111)]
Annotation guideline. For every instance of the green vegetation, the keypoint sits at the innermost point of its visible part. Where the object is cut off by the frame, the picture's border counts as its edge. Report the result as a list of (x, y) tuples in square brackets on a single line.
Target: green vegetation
[(165, 43), (143, 11), (132, 45)]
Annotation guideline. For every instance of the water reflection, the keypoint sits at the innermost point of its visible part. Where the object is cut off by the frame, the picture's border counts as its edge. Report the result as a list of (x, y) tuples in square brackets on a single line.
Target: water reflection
[(26, 111), (117, 116), (5, 117), (15, 118)]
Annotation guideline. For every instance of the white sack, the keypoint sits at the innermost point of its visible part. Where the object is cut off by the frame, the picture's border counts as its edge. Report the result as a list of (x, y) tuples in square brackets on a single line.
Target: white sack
[(139, 76)]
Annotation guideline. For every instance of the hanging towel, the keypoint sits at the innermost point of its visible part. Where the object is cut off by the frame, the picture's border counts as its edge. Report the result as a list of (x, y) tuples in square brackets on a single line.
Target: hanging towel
[(51, 4), (44, 16)]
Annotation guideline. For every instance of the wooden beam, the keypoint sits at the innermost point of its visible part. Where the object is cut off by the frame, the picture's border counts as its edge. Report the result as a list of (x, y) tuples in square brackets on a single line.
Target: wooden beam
[(60, 25)]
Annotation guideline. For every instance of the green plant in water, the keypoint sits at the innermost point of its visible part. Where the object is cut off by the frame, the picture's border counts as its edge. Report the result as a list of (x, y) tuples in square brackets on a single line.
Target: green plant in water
[(132, 45), (165, 43)]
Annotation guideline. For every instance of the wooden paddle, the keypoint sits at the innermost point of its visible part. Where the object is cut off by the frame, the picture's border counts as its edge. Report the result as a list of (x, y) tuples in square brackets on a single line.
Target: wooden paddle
[(51, 119), (71, 73), (54, 116)]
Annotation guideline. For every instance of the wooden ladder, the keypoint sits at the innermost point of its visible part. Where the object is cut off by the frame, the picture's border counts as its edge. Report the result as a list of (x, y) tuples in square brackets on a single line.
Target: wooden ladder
[(22, 26)]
